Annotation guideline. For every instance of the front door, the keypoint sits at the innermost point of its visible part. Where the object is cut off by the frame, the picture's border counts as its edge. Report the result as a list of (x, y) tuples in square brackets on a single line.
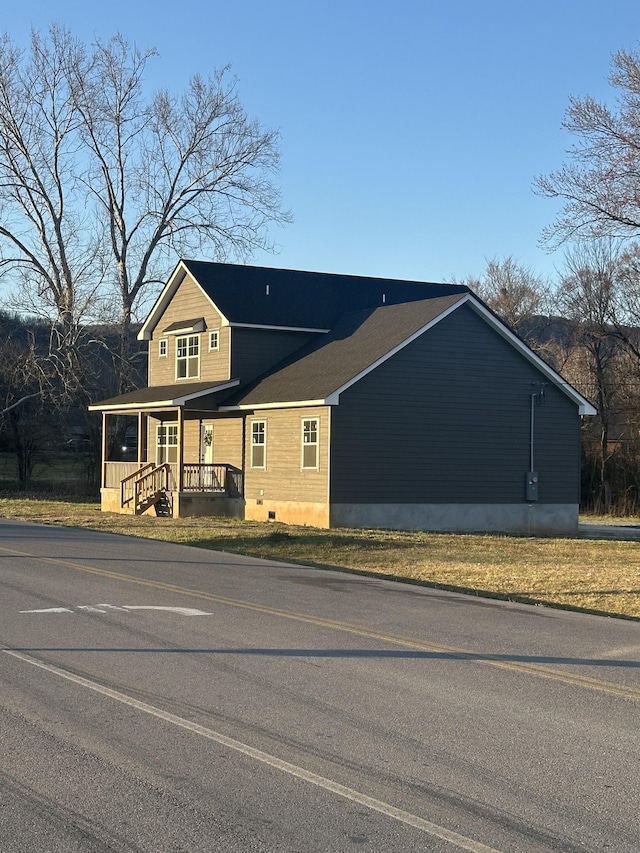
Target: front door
[(206, 456), (206, 444)]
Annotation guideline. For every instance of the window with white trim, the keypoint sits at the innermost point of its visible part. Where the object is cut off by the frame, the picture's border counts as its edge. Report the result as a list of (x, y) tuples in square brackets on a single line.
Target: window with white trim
[(163, 347), (214, 340), (166, 443), (188, 357), (258, 444), (310, 443)]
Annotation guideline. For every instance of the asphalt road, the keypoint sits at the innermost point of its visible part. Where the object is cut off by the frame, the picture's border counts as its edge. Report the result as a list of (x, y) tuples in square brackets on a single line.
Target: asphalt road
[(161, 698)]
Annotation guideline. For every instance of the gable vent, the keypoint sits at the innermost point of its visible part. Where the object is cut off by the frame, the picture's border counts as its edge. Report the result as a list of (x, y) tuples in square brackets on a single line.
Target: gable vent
[(267, 287), (384, 298)]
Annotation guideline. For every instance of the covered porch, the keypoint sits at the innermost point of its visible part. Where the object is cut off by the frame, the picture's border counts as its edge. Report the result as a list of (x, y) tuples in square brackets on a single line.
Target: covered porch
[(158, 453), (132, 487)]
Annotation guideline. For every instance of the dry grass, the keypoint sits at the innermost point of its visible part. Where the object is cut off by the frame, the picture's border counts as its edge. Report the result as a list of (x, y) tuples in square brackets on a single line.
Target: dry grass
[(599, 576)]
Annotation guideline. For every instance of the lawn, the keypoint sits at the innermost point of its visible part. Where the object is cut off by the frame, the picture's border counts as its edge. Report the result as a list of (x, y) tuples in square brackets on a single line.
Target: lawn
[(595, 575)]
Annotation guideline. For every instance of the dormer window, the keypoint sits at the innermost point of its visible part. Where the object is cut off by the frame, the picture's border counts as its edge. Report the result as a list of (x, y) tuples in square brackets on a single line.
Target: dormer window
[(188, 357), (214, 340)]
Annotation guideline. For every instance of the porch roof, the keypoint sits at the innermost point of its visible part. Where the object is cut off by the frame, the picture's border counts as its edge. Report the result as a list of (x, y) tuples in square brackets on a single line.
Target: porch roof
[(155, 396)]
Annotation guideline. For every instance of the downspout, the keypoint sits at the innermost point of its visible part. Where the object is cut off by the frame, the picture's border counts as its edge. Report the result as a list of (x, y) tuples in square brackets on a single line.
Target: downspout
[(537, 398), (531, 432), (328, 439), (244, 454), (530, 475)]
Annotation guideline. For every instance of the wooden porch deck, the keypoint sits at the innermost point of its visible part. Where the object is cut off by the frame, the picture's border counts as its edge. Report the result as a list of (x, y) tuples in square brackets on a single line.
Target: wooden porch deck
[(144, 485)]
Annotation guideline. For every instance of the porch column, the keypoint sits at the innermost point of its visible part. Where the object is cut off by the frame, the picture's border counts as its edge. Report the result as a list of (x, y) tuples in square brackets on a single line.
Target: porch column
[(105, 445), (180, 450), (142, 422)]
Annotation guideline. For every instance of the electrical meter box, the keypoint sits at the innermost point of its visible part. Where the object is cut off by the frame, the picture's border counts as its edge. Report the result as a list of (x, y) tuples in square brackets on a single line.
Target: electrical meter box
[(532, 485)]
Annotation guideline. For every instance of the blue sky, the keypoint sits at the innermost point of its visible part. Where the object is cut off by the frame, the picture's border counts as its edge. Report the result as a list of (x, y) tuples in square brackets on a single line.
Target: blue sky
[(411, 131)]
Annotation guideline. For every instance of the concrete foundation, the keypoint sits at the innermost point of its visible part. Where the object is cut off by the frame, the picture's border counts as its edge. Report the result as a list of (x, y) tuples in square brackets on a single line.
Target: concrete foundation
[(202, 504), (185, 504), (530, 519), (306, 514), (522, 519), (110, 502)]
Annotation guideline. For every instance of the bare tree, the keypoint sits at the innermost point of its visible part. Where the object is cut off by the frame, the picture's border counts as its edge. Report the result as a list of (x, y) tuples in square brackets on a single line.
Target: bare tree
[(588, 298), (25, 419), (515, 293), (600, 183), (102, 185)]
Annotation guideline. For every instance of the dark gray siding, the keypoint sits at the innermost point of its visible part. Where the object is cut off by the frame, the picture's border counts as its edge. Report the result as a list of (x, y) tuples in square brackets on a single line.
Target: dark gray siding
[(447, 420), (253, 351)]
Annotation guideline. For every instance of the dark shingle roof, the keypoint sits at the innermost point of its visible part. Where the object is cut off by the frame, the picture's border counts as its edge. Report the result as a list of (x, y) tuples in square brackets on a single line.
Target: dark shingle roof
[(158, 394), (357, 342), (196, 324), (295, 299)]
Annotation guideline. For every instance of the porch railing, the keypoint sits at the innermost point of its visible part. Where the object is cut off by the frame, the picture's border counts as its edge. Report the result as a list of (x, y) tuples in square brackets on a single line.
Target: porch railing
[(145, 484), (196, 477), (234, 482), (206, 477), (129, 485), (203, 477), (151, 483)]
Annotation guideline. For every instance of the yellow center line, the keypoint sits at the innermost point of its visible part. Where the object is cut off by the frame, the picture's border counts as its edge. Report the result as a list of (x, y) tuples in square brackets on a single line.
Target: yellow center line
[(538, 670)]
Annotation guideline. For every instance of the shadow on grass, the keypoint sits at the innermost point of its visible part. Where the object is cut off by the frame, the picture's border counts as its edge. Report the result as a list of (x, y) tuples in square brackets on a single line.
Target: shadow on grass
[(323, 541), (262, 549)]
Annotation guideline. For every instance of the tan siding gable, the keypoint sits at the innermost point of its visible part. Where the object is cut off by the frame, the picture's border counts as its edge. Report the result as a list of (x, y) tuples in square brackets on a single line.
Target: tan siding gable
[(188, 303)]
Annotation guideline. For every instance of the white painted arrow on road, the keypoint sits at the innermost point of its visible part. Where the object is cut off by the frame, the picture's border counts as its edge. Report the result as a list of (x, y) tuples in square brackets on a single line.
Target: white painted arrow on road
[(49, 610), (104, 608), (183, 611)]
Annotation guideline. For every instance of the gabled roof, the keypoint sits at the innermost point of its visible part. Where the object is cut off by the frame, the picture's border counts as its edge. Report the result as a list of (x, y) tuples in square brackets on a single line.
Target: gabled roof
[(266, 297), (365, 321), (160, 396), (361, 341)]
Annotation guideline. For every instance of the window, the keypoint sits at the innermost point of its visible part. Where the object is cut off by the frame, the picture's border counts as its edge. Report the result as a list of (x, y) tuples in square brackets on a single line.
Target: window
[(310, 443), (188, 357), (167, 443), (162, 347), (214, 340), (258, 444)]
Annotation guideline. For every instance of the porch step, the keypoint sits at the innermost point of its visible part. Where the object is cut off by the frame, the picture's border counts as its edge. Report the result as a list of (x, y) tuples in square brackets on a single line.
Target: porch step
[(160, 500), (163, 506)]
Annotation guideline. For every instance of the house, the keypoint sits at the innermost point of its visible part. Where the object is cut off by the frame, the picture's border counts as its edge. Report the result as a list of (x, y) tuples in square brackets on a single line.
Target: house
[(334, 400)]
